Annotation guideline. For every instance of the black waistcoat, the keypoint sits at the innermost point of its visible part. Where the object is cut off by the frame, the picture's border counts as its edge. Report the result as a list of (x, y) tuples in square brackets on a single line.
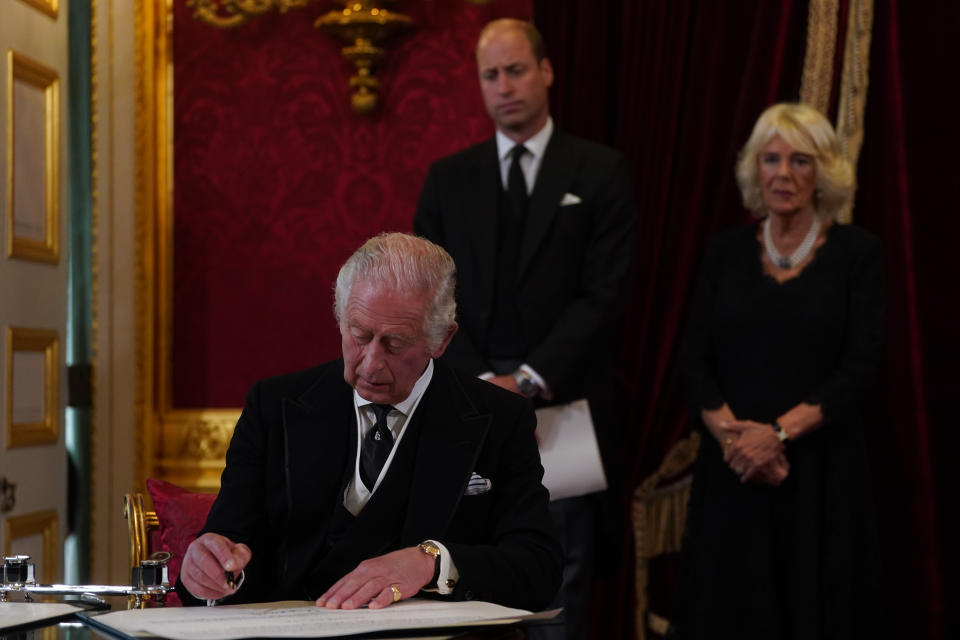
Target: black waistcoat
[(347, 540)]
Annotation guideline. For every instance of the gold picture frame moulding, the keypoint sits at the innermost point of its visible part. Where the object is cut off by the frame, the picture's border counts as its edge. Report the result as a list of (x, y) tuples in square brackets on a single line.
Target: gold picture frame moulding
[(21, 68), (49, 7), (44, 524), (47, 430)]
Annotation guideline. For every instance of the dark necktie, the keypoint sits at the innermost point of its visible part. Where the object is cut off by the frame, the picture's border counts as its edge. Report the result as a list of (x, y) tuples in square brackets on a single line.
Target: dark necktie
[(376, 446), (516, 185)]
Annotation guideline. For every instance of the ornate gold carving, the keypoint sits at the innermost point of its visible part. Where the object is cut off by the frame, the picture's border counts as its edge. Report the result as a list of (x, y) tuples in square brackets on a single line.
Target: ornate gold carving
[(364, 27), (232, 13), (818, 59), (194, 444), (206, 439), (853, 86)]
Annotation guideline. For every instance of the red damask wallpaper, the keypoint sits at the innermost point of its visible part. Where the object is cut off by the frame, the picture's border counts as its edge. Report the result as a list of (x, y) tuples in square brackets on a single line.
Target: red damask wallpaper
[(277, 181)]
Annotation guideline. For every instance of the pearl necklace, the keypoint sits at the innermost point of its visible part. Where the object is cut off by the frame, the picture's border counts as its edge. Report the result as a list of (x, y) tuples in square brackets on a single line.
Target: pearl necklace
[(798, 256)]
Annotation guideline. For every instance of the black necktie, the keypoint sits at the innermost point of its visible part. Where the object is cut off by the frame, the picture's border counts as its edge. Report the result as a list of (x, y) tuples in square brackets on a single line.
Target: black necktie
[(516, 185), (376, 446)]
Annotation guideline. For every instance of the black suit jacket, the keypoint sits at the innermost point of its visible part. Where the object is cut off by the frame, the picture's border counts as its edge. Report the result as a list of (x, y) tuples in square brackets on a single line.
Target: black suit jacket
[(293, 450), (574, 258)]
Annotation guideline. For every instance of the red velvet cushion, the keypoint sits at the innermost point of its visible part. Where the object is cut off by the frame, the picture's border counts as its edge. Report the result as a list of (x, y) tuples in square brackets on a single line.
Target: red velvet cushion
[(182, 515)]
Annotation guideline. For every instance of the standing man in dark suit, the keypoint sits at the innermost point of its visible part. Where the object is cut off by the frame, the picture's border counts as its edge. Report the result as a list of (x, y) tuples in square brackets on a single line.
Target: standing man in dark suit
[(540, 226), (373, 478)]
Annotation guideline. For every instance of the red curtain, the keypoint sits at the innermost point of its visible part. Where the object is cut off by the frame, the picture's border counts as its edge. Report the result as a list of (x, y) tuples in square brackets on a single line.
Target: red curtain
[(677, 86), (908, 168)]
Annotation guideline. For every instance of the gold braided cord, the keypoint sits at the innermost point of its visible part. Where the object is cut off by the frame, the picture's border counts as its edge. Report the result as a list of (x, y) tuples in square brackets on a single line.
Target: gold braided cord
[(818, 59), (853, 86)]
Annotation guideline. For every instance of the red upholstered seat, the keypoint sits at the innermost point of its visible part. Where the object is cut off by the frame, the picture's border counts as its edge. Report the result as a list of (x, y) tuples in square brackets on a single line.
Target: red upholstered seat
[(180, 515)]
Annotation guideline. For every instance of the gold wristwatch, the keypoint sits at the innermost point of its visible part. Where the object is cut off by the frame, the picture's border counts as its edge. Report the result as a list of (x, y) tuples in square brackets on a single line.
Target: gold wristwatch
[(432, 550)]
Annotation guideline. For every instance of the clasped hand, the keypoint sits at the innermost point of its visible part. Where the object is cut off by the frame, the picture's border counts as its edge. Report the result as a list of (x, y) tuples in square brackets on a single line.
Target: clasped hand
[(753, 451), (372, 583)]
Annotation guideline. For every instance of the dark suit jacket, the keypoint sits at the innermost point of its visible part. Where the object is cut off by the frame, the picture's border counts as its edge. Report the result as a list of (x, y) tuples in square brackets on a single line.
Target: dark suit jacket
[(293, 450), (573, 262)]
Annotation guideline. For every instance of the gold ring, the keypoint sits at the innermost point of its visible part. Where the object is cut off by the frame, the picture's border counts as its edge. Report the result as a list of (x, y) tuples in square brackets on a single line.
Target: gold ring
[(728, 441), (396, 593)]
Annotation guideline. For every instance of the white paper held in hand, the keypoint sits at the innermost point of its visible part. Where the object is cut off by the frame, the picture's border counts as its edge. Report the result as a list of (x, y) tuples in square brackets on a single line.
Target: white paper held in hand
[(569, 451)]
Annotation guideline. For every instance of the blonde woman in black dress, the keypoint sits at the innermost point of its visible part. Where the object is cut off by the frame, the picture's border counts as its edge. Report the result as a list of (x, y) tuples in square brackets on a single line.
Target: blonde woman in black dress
[(783, 341)]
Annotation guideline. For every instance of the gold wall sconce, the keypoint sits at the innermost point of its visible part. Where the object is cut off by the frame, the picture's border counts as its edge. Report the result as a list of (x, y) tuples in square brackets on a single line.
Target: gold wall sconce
[(363, 25), (363, 28)]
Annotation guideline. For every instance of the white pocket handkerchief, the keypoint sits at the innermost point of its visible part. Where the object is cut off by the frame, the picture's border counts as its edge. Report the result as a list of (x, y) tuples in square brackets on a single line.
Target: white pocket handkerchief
[(477, 485), (570, 198)]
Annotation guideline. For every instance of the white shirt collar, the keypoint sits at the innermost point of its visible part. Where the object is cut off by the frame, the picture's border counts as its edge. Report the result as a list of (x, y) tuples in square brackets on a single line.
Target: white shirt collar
[(535, 144), (356, 494), (407, 405)]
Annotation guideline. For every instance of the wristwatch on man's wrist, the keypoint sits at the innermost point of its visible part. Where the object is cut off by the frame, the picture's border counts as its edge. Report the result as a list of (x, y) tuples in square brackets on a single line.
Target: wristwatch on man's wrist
[(780, 431), (525, 383), (432, 550)]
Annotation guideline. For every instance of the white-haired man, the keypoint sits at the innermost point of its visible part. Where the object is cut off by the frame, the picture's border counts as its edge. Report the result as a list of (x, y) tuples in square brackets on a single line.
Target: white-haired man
[(385, 474)]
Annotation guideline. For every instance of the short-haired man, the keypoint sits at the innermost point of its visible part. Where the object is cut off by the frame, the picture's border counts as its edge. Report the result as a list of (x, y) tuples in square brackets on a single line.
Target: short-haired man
[(373, 478), (540, 225)]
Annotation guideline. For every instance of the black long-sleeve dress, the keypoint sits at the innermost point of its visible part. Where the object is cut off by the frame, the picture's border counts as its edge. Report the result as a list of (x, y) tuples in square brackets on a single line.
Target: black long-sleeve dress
[(795, 561)]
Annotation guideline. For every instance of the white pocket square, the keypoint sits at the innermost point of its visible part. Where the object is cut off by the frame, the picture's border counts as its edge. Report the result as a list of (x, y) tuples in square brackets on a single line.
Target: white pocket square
[(570, 198), (477, 485)]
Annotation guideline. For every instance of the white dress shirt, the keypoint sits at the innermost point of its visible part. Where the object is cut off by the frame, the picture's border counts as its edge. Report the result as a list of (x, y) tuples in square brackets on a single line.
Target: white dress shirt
[(529, 162)]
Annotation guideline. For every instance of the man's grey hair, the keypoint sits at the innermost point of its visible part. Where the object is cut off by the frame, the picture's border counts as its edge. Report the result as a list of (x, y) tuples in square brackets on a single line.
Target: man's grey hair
[(411, 265)]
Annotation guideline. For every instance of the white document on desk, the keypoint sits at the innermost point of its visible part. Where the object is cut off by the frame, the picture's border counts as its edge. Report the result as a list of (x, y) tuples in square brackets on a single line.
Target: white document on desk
[(569, 451), (302, 619), (13, 614)]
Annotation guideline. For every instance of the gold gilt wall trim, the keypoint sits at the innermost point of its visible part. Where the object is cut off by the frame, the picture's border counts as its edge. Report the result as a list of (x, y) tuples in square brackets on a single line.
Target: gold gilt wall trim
[(94, 263), (145, 178), (184, 446), (142, 155), (853, 85), (818, 60)]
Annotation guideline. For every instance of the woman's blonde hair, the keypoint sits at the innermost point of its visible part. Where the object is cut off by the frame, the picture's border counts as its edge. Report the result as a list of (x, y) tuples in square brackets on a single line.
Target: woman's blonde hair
[(806, 130)]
